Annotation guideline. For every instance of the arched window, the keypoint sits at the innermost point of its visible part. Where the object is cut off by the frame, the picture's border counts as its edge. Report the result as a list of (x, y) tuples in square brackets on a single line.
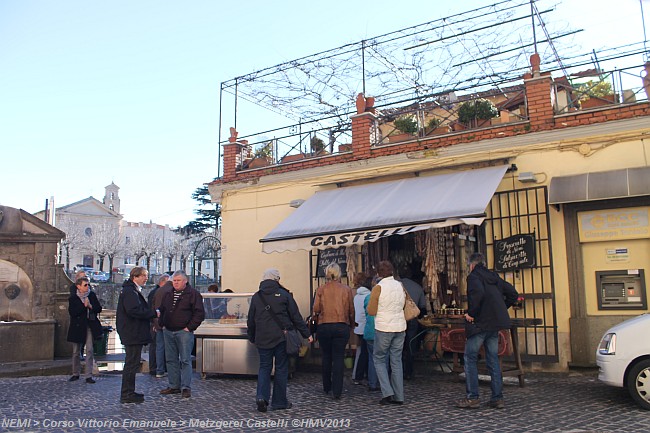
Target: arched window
[(112, 196), (88, 231), (110, 206)]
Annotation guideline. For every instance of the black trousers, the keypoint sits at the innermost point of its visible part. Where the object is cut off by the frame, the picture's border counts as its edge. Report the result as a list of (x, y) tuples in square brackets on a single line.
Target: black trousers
[(333, 337), (131, 366), (412, 328)]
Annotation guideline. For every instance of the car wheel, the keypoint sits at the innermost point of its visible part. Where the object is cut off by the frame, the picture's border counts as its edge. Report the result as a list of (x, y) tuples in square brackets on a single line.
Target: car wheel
[(638, 383)]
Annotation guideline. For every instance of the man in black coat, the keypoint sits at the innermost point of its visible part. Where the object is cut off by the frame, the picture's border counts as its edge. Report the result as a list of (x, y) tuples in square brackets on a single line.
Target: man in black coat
[(488, 298), (83, 307), (132, 319), (269, 337)]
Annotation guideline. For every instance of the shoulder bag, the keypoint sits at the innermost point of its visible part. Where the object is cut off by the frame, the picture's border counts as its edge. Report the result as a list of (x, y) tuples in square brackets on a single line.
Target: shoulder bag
[(292, 336), (411, 310)]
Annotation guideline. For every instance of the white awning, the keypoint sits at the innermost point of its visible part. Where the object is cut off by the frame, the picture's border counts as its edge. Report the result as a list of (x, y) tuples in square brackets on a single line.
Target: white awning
[(366, 213)]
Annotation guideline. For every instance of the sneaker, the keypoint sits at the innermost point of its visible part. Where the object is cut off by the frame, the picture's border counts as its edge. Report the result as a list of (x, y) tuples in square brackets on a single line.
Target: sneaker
[(168, 391), (186, 393), (386, 400), (73, 378), (497, 404), (262, 405), (90, 380), (357, 382), (469, 403), (160, 375), (393, 401)]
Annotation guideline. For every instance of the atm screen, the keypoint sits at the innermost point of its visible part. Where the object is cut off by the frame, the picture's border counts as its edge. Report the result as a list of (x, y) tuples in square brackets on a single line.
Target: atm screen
[(613, 290)]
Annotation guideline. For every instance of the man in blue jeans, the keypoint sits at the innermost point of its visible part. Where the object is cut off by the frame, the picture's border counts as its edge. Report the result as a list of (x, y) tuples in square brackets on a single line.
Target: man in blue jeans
[(181, 312), (488, 299)]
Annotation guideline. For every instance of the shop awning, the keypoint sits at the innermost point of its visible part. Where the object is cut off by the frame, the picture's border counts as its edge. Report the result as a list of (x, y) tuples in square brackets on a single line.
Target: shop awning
[(602, 185), (366, 213)]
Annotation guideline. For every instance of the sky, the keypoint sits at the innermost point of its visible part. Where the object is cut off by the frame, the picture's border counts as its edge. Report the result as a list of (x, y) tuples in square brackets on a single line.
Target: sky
[(127, 91)]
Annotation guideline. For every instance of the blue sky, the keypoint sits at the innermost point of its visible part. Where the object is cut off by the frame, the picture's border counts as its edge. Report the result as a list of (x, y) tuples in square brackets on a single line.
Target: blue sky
[(127, 91)]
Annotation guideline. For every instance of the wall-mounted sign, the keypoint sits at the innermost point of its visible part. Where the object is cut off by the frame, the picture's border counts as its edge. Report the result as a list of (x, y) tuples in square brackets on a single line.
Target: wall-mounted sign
[(615, 255), (614, 224), (332, 255), (515, 252)]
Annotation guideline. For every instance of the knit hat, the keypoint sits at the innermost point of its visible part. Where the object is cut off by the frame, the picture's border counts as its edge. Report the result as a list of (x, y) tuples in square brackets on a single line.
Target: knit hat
[(271, 274)]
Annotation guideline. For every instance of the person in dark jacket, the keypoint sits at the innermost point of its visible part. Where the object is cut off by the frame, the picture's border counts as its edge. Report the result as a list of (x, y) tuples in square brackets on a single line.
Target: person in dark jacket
[(157, 345), (266, 334), (488, 298), (181, 312), (132, 319), (85, 327)]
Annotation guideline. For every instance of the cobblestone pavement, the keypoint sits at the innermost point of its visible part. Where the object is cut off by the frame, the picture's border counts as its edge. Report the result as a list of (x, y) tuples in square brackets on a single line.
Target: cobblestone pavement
[(549, 403)]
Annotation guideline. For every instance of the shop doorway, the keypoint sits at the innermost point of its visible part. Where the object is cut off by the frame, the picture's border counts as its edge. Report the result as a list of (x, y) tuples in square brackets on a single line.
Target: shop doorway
[(525, 212)]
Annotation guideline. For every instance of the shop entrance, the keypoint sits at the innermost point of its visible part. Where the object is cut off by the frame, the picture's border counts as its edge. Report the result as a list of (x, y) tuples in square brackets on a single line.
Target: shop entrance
[(525, 212)]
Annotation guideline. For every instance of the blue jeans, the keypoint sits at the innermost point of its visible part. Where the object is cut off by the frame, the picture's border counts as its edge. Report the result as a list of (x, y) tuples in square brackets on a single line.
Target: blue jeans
[(389, 344), (278, 352), (333, 337), (160, 352), (489, 339), (373, 382), (178, 357)]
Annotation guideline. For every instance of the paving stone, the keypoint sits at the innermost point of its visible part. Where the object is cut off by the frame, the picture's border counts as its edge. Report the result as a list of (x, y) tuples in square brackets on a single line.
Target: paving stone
[(550, 403)]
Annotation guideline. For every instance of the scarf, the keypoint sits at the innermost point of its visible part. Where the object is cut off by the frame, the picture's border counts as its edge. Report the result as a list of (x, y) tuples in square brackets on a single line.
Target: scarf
[(83, 296)]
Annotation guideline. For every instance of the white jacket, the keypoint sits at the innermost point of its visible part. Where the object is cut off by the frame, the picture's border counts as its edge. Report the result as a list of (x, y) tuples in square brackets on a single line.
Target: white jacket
[(390, 309)]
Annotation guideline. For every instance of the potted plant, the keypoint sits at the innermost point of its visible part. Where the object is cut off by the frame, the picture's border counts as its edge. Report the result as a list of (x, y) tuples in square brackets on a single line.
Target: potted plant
[(406, 124), (596, 94), (476, 112), (434, 126), (317, 145), (405, 127), (262, 156)]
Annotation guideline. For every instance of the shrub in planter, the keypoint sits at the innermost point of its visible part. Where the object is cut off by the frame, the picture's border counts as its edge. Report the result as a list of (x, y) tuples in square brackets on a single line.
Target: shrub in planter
[(471, 112), (406, 124), (317, 145)]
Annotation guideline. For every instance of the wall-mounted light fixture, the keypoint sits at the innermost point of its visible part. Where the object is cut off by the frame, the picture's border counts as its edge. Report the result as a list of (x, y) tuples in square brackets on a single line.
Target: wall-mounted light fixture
[(526, 177), (296, 203)]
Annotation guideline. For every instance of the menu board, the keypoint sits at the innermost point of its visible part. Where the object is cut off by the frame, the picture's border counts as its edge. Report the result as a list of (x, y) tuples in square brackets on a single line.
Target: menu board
[(514, 252), (332, 255)]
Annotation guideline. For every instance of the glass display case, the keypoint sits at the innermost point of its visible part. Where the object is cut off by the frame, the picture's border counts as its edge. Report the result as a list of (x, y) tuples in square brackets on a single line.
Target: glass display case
[(222, 344)]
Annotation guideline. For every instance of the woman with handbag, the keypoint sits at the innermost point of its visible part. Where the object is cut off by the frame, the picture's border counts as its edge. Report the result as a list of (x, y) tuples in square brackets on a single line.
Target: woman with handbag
[(83, 307), (334, 305), (272, 314)]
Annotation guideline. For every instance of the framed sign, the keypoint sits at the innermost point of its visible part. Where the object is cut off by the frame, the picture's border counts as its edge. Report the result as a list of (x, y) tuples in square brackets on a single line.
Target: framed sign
[(332, 255), (514, 252)]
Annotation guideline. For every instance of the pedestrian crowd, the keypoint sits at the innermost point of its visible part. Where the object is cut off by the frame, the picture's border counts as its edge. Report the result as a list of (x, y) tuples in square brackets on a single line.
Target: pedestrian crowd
[(374, 317)]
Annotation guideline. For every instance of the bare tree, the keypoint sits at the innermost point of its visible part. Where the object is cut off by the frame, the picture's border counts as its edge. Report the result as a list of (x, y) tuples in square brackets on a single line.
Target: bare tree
[(74, 238), (105, 241), (145, 242)]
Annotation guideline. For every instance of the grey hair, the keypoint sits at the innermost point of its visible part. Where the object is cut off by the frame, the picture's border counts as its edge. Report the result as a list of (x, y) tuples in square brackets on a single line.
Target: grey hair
[(180, 274), (163, 278), (333, 271)]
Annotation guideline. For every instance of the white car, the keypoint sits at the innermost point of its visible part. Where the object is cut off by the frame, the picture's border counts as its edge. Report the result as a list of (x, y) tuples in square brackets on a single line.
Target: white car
[(623, 357)]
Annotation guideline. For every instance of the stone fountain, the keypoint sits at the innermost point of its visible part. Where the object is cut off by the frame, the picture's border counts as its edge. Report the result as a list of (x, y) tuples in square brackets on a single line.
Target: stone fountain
[(32, 289)]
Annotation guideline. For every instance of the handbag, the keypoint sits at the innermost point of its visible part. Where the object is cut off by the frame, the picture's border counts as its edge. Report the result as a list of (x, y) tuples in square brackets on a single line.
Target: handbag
[(312, 323), (292, 337), (411, 310)]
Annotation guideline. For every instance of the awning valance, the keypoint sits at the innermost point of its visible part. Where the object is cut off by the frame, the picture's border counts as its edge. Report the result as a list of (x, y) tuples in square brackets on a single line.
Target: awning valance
[(601, 185), (366, 213)]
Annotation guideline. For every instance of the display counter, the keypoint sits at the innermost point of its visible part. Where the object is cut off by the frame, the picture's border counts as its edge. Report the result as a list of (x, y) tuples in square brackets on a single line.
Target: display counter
[(222, 344)]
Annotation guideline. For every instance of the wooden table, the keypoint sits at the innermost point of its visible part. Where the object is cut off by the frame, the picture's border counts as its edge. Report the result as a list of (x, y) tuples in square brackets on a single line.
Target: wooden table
[(458, 322)]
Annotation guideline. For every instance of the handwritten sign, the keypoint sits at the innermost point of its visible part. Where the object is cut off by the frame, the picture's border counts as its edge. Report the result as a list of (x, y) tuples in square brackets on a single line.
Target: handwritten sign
[(514, 252), (332, 255)]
